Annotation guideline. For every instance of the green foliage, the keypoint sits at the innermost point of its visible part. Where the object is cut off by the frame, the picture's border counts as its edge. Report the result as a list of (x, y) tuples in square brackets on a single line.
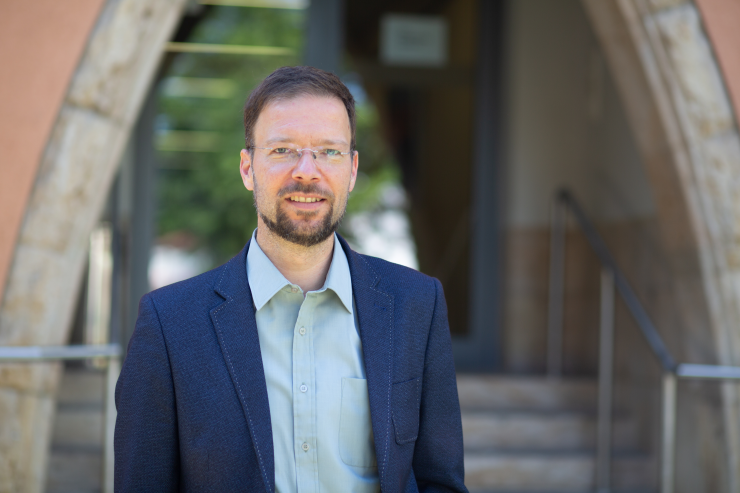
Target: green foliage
[(201, 193), (377, 167)]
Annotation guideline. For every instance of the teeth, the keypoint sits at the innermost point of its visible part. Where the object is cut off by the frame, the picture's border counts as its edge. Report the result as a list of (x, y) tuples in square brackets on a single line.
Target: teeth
[(304, 199)]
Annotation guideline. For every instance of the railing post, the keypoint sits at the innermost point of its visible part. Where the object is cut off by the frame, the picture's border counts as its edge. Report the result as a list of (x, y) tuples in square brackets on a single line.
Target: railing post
[(606, 380), (556, 288), (668, 442), (109, 421)]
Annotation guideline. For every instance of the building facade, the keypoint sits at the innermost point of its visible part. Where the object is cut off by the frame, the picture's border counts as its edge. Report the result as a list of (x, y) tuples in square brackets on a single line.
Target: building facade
[(630, 104)]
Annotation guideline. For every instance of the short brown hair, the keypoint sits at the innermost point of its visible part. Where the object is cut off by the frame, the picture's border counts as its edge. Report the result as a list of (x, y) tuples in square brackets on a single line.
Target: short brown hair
[(291, 82)]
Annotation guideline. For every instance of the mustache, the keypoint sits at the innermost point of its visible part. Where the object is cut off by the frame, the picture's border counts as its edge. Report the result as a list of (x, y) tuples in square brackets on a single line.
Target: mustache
[(305, 188)]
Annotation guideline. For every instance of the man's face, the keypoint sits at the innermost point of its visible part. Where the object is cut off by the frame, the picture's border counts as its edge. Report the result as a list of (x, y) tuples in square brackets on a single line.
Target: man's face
[(301, 201)]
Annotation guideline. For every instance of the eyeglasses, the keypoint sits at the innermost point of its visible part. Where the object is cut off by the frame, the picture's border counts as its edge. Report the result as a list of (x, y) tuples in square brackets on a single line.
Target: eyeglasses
[(290, 155)]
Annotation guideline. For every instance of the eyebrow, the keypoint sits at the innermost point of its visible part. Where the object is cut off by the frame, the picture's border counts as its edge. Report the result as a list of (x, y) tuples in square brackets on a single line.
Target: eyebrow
[(325, 142), (331, 142)]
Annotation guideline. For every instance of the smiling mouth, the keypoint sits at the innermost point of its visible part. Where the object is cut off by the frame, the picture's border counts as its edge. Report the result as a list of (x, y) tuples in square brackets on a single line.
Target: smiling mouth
[(305, 199)]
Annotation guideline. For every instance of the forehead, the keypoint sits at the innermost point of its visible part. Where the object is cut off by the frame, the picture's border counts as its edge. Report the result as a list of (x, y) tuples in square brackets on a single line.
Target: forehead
[(305, 116)]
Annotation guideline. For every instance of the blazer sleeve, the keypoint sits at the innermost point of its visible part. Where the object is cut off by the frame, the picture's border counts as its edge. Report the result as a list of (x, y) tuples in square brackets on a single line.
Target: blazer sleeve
[(438, 454), (146, 439)]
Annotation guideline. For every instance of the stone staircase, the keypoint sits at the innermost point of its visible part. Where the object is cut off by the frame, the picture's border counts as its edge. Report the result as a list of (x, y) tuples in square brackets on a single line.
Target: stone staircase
[(522, 434), (525, 434), (75, 462)]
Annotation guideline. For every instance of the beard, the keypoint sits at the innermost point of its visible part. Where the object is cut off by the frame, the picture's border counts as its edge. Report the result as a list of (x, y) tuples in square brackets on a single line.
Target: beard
[(301, 234)]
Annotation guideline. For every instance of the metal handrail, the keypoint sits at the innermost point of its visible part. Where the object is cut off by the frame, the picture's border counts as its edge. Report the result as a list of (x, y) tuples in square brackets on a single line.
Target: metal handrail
[(613, 281), (646, 325), (111, 352)]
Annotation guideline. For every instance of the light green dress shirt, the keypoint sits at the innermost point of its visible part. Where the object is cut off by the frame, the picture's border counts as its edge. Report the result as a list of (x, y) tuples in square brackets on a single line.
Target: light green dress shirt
[(316, 386)]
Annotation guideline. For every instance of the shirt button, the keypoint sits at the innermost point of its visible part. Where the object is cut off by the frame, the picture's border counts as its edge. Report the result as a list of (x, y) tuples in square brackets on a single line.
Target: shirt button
[(304, 447), (303, 388), (293, 290), (302, 331)]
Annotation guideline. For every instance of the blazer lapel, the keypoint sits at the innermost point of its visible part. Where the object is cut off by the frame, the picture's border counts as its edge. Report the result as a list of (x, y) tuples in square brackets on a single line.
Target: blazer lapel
[(375, 317), (236, 328)]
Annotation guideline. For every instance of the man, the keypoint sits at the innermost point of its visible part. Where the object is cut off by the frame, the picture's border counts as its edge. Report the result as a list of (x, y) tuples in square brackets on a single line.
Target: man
[(299, 365)]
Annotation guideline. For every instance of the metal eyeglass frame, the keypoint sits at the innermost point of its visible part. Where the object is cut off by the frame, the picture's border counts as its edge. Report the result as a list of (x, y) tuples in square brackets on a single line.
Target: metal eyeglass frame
[(299, 152)]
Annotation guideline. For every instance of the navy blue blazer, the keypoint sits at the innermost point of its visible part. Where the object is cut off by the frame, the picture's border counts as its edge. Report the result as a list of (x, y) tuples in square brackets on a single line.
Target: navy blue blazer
[(192, 401)]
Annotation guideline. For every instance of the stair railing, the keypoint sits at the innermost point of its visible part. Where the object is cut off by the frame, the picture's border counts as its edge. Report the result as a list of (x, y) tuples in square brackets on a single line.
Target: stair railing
[(110, 352), (614, 282)]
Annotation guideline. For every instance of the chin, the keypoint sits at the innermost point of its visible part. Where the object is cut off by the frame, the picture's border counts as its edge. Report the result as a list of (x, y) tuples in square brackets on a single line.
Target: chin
[(312, 231), (302, 232)]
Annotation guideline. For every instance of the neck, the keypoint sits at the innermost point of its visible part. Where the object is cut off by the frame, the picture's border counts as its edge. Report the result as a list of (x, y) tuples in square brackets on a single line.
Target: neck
[(305, 266)]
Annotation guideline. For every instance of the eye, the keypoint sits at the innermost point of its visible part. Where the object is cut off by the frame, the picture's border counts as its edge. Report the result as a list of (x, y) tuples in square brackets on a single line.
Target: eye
[(281, 150), (332, 152)]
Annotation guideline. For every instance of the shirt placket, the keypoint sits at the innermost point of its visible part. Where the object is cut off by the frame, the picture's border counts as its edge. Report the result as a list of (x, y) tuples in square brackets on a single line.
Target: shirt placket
[(304, 399)]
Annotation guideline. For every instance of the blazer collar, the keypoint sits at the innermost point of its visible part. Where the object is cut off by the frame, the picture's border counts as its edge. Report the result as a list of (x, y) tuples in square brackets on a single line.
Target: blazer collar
[(375, 318), (236, 329), (233, 278)]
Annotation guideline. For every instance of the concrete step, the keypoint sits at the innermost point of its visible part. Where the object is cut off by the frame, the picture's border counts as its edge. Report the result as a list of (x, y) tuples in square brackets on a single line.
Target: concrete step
[(541, 431), (75, 461), (558, 472), (81, 386), (74, 471), (500, 393), (77, 425), (612, 490)]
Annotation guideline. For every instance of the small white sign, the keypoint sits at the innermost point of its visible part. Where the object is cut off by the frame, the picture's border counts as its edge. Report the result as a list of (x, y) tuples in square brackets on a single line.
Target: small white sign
[(413, 40)]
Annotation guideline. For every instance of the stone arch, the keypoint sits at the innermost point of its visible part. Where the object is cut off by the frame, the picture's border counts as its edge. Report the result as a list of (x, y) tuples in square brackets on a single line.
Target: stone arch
[(72, 181), (681, 115)]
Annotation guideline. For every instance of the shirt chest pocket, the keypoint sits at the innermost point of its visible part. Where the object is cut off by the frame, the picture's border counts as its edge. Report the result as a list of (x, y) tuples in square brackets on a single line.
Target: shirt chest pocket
[(356, 445)]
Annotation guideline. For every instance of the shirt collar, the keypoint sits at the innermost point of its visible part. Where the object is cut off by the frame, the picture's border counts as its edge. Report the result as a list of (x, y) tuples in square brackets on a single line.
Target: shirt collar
[(338, 279), (265, 280)]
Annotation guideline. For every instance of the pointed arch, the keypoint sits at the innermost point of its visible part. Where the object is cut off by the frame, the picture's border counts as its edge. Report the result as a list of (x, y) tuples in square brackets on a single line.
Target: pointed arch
[(673, 89), (79, 162)]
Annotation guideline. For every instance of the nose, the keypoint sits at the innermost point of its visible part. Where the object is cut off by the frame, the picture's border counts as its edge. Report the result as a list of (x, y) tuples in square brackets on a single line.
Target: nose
[(306, 168)]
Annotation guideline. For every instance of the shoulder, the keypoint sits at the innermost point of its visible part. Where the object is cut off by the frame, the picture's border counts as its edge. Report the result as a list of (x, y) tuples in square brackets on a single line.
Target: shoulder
[(188, 293), (400, 281)]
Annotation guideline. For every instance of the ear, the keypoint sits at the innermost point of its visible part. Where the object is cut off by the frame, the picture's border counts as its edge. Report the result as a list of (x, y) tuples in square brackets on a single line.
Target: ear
[(355, 164), (245, 169)]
